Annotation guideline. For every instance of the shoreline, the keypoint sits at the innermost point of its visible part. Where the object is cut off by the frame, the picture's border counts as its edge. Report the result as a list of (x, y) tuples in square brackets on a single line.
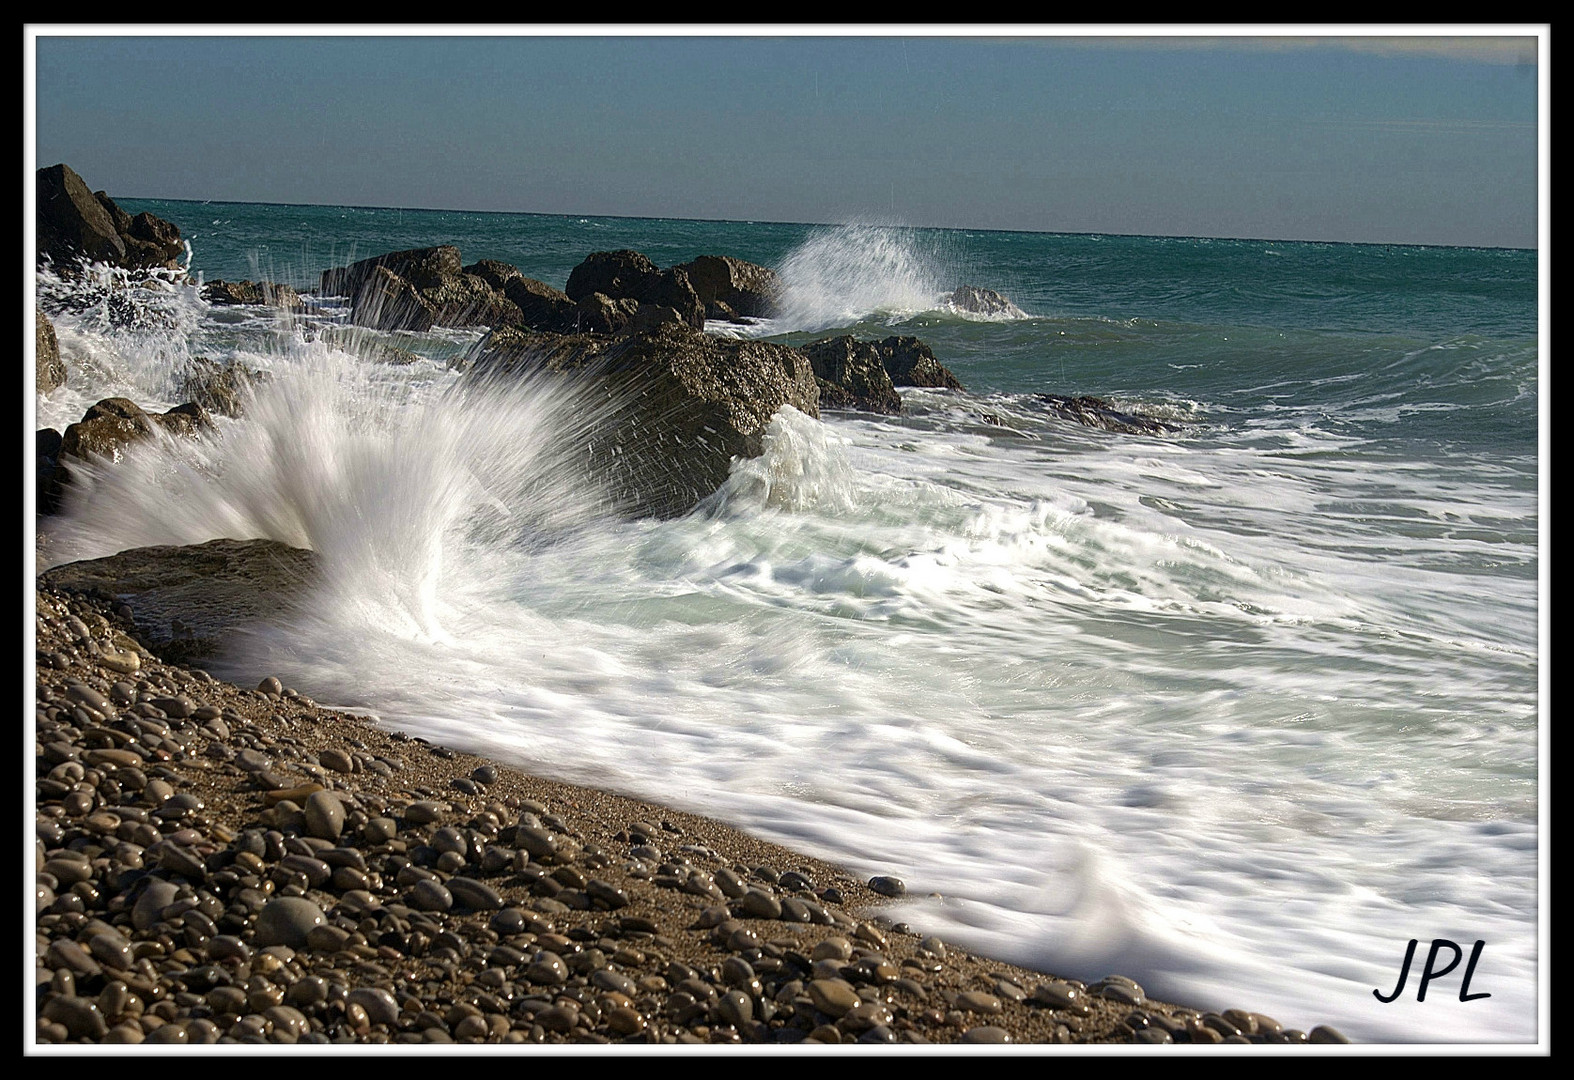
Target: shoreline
[(439, 898)]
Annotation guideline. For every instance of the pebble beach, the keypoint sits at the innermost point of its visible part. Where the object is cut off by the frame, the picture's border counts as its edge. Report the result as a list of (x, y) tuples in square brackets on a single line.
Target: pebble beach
[(218, 865)]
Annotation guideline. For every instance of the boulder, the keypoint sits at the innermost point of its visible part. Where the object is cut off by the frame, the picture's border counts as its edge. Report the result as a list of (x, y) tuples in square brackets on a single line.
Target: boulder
[(223, 388), (541, 307), (628, 275), (731, 288), (983, 302), (104, 432), (51, 371), (616, 274), (385, 301), (419, 289), (270, 293), (188, 601), (422, 267), (72, 224), (851, 376), (75, 225), (673, 406), (598, 313), (1097, 413), (910, 362)]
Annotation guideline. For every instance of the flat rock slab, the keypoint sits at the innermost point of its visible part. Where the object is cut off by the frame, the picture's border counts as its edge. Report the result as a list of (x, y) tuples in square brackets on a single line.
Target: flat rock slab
[(188, 600)]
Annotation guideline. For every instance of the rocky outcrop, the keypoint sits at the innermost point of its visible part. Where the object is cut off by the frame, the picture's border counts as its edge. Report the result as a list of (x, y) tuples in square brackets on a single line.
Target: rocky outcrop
[(732, 289), (104, 433), (851, 376), (76, 225), (673, 406), (222, 388), (418, 289), (1097, 413), (910, 362), (187, 602), (541, 307), (628, 275), (51, 371), (978, 301), (269, 293)]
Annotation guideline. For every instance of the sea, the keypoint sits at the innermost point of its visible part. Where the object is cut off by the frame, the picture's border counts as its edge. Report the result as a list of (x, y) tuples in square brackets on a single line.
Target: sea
[(1238, 710)]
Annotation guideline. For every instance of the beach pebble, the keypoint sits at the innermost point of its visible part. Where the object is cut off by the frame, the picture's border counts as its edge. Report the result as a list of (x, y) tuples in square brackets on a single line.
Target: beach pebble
[(286, 920)]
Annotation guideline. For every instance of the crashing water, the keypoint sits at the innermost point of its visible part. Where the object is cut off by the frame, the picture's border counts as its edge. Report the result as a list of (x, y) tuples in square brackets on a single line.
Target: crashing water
[(1236, 711)]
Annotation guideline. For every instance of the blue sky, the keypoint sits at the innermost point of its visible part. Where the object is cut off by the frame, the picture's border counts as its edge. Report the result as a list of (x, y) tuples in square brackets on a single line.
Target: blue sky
[(1397, 140)]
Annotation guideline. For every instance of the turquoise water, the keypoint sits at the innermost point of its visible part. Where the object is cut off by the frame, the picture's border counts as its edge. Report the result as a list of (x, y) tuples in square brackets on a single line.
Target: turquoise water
[(1236, 711)]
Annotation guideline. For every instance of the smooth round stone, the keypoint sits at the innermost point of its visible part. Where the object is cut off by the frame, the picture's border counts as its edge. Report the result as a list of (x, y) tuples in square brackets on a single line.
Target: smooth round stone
[(80, 1016), (888, 886), (1153, 1035), (337, 760), (324, 815), (308, 991), (65, 953), (547, 969), (607, 893), (625, 1021), (475, 895), (380, 1005), (1322, 1033), (429, 895), (449, 840), (978, 1001), (1060, 995), (986, 1034), (271, 686), (111, 950), (761, 905), (730, 884), (425, 812), (317, 872), (832, 948), (158, 895), (286, 920), (68, 870), (484, 774), (379, 830), (735, 1008), (834, 997)]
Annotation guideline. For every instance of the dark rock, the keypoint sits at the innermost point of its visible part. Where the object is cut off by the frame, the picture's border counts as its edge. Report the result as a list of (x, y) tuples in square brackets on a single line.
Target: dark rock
[(1097, 413), (270, 293), (731, 288), (541, 307), (679, 405), (223, 388), (385, 301), (51, 372), (48, 457), (419, 289), (615, 274), (151, 242), (910, 362), (628, 275), (107, 429), (75, 225), (212, 589), (851, 376), (983, 302), (72, 224), (598, 313), (423, 268)]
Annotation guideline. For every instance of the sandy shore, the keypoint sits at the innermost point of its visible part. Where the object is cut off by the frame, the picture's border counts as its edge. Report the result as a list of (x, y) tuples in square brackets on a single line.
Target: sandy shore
[(220, 864)]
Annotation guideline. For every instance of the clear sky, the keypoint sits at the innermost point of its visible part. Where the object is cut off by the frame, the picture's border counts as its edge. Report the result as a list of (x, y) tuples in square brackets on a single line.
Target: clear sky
[(1397, 140)]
